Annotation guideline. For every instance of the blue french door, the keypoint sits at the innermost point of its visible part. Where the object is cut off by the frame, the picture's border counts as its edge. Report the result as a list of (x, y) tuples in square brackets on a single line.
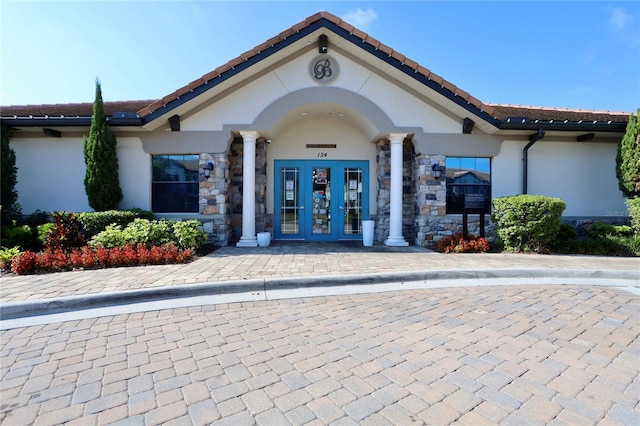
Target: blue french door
[(320, 200)]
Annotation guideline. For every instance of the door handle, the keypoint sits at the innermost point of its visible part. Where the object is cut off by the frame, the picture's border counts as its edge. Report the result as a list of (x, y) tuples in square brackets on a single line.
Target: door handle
[(301, 208), (341, 207)]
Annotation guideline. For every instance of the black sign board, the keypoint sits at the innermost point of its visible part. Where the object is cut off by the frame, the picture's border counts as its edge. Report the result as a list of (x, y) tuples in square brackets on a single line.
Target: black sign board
[(474, 202)]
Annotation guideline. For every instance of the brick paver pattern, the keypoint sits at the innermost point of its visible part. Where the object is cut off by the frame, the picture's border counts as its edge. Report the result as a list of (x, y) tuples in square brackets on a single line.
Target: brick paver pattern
[(490, 355), (286, 260)]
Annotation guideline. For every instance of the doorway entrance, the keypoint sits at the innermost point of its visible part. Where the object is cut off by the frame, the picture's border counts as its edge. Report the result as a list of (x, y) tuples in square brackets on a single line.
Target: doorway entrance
[(320, 200)]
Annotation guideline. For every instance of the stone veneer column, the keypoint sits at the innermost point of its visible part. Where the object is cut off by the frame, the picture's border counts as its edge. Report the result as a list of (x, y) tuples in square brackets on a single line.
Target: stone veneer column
[(248, 238), (395, 213)]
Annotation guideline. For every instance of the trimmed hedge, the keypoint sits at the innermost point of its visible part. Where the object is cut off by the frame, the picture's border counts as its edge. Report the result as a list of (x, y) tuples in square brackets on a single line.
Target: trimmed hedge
[(185, 234), (633, 205), (95, 222), (527, 222)]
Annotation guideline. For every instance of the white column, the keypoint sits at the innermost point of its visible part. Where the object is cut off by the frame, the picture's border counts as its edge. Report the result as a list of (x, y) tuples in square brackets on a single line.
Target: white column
[(395, 211), (248, 238)]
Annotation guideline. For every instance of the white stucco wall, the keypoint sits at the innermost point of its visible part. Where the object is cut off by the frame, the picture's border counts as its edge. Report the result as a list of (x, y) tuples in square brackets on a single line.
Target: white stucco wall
[(582, 174), (243, 105), (135, 174), (290, 144), (51, 174)]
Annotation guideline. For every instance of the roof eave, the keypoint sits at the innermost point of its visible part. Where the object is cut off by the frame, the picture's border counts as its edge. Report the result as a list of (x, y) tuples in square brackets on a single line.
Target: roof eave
[(80, 121), (512, 123)]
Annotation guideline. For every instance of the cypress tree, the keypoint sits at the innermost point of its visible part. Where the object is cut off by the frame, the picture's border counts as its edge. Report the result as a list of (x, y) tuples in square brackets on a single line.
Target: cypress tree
[(101, 180), (8, 179), (628, 159)]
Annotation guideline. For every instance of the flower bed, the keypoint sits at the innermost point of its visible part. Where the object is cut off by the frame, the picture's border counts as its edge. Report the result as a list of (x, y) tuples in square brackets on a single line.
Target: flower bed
[(458, 244), (57, 260)]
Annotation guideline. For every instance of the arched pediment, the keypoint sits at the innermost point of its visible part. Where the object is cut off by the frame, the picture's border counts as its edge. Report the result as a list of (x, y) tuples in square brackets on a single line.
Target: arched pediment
[(363, 114)]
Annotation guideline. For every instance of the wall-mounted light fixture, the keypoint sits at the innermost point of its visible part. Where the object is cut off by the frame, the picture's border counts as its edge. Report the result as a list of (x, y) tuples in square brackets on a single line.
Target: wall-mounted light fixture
[(438, 170), (323, 43), (208, 168)]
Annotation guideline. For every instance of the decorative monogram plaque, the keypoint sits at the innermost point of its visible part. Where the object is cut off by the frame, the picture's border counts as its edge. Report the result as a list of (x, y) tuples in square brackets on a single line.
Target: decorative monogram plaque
[(323, 69)]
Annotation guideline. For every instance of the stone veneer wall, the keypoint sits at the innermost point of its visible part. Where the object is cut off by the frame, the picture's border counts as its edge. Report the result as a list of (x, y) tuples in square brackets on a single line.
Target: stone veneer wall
[(383, 203), (235, 191), (431, 201), (214, 198)]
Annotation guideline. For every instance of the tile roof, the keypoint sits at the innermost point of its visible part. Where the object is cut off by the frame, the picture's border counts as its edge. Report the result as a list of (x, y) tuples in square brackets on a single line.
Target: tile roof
[(70, 110), (143, 109), (504, 111)]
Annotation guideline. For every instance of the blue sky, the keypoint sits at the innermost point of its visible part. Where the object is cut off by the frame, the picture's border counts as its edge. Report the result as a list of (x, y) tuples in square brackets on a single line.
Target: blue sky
[(570, 54)]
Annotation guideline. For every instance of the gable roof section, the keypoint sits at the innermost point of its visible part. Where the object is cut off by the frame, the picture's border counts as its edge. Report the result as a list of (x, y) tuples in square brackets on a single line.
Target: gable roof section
[(501, 116)]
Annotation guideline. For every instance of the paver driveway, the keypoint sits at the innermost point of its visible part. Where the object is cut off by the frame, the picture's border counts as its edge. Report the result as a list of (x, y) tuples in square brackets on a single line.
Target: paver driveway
[(510, 355)]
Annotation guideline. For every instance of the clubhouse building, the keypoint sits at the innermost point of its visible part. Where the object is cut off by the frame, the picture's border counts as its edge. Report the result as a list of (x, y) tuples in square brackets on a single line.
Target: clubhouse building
[(314, 131)]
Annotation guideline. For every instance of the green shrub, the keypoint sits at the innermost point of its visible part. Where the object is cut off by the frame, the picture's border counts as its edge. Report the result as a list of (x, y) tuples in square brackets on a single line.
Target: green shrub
[(150, 233), (607, 246), (184, 234), (113, 236), (20, 236), (633, 205), (527, 222), (633, 242), (37, 218), (187, 234), (6, 256), (44, 231), (567, 232), (600, 230), (96, 222)]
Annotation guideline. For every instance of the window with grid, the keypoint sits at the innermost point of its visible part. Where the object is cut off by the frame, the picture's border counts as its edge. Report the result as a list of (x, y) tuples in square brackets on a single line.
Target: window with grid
[(467, 175), (175, 183)]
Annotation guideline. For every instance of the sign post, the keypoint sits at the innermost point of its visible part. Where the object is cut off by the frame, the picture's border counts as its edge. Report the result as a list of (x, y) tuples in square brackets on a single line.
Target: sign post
[(473, 203)]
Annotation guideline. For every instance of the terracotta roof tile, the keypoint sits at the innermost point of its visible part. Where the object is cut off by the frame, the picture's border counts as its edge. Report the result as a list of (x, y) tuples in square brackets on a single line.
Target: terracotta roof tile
[(372, 41), (329, 17), (347, 27), (261, 47), (450, 87), (360, 34), (273, 40), (70, 110), (286, 33), (183, 91), (411, 64), (385, 49), (436, 78), (557, 114), (156, 105), (169, 98), (464, 95), (300, 26), (223, 68), (197, 83)]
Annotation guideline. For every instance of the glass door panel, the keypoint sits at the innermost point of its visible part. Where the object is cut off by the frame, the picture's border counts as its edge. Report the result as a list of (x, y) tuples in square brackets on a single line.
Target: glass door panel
[(321, 199), (290, 208), (353, 212)]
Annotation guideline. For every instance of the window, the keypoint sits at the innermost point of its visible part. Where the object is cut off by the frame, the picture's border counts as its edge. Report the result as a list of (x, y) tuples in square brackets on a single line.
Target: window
[(467, 175), (175, 183)]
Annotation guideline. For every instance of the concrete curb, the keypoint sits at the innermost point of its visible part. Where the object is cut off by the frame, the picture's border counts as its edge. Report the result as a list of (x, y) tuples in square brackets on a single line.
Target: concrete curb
[(22, 309)]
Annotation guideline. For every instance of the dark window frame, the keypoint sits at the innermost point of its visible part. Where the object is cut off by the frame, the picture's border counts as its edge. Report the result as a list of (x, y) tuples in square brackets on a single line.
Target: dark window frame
[(458, 170), (175, 183)]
